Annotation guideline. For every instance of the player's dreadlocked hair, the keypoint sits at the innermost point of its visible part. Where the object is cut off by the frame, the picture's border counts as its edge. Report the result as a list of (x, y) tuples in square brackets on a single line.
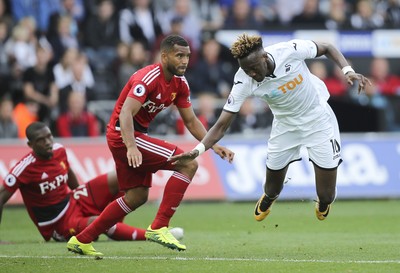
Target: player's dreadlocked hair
[(245, 45), (168, 42), (32, 128)]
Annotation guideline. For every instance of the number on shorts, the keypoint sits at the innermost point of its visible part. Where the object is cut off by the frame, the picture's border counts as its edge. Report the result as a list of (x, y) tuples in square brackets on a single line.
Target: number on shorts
[(335, 146)]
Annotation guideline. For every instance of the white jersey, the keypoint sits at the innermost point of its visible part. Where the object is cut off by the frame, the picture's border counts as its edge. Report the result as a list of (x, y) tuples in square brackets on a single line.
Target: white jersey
[(294, 95)]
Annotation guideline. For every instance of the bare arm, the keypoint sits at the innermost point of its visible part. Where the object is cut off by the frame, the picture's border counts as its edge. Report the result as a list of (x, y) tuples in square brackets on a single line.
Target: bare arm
[(130, 108), (72, 180), (4, 197), (211, 138), (335, 55), (218, 130), (197, 129), (192, 123)]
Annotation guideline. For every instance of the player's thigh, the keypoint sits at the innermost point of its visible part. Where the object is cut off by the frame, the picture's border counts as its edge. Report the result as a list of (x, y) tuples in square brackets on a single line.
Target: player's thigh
[(282, 150), (325, 153)]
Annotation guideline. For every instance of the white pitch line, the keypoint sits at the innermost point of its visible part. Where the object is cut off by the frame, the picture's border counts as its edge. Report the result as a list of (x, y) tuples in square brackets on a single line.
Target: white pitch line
[(207, 259)]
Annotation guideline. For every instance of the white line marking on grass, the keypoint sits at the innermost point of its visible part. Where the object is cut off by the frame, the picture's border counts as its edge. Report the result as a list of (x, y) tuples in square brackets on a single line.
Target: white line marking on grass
[(207, 259)]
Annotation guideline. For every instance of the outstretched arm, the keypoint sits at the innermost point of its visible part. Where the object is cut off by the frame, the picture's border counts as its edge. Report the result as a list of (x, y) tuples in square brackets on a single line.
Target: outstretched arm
[(210, 139), (335, 55)]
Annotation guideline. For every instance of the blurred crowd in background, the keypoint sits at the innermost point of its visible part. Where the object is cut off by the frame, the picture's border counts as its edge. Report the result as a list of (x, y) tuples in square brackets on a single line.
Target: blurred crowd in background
[(60, 60)]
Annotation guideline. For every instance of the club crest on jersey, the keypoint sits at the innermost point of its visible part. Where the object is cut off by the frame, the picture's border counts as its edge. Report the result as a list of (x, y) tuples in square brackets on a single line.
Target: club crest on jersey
[(62, 164), (10, 180), (230, 100), (173, 96), (139, 90)]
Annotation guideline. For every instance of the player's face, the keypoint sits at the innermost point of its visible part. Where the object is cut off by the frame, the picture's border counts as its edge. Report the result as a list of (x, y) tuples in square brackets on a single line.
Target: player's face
[(255, 65), (178, 60), (42, 144)]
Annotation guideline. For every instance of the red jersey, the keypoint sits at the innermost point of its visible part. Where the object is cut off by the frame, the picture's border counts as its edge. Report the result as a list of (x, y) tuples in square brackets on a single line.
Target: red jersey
[(43, 186), (148, 85)]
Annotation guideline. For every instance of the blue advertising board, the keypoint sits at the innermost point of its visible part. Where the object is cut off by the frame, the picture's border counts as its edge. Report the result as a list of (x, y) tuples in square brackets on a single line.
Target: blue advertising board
[(370, 169)]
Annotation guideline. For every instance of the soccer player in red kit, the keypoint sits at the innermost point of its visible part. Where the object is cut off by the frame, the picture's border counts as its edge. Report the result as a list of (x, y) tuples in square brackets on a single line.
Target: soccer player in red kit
[(137, 155), (45, 180)]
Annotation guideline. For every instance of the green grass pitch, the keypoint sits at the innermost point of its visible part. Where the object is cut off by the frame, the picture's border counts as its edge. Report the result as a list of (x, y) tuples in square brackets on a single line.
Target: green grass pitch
[(358, 236)]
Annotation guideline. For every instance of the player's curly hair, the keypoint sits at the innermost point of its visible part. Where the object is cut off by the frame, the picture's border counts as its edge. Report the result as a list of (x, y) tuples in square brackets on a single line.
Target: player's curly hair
[(245, 45)]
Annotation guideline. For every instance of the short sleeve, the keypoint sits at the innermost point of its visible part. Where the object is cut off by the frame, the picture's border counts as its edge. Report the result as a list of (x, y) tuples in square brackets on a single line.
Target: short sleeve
[(303, 49)]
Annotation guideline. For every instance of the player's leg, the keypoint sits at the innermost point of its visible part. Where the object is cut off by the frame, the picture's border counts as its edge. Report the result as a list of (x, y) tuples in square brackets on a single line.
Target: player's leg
[(283, 148), (272, 188), (99, 192), (325, 180), (174, 191), (324, 152)]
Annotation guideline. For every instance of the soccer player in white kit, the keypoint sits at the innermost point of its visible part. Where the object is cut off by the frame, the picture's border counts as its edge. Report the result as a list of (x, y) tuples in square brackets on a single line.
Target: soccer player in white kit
[(279, 75)]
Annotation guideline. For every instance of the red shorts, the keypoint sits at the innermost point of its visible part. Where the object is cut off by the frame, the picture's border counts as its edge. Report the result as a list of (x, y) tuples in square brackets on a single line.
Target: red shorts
[(155, 153), (86, 201)]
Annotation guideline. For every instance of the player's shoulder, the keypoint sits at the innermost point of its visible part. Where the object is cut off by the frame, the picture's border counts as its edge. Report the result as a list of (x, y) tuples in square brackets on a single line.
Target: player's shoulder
[(147, 74), (23, 164), (59, 150), (181, 81)]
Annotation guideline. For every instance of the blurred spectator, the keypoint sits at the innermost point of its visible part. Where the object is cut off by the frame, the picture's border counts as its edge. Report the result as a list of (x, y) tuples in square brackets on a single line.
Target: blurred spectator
[(25, 113), (39, 85), (241, 16), (74, 9), (255, 6), (337, 17), (176, 28), (5, 15), (191, 22), (77, 121), (335, 81), (373, 98), (250, 118), (62, 70), (122, 50), (138, 57), (139, 22), (19, 50), (210, 14), (64, 74), (211, 74), (392, 13), (64, 38), (8, 128), (286, 9), (5, 71), (365, 16), (385, 82), (206, 107), (102, 35), (310, 17), (40, 10), (80, 79)]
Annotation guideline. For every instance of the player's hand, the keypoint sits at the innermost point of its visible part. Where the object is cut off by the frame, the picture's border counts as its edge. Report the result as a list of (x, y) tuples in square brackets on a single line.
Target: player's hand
[(134, 157), (362, 81), (184, 157), (223, 152)]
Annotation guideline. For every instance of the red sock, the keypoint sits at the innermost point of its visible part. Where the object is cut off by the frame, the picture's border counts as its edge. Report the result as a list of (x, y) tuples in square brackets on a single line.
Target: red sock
[(173, 195), (115, 211), (124, 232)]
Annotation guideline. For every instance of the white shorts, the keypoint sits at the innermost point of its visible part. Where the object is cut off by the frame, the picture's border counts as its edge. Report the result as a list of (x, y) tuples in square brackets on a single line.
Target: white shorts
[(320, 137)]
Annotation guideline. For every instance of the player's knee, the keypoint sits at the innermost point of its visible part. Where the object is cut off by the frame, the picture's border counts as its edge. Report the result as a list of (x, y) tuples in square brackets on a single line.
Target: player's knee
[(135, 199), (190, 167)]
